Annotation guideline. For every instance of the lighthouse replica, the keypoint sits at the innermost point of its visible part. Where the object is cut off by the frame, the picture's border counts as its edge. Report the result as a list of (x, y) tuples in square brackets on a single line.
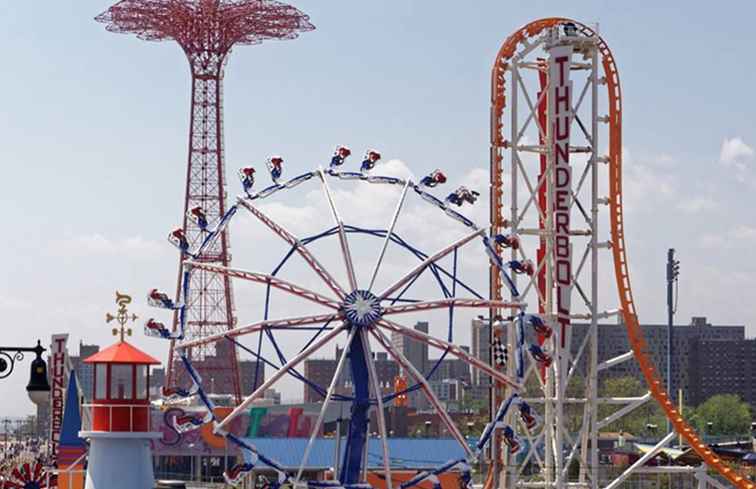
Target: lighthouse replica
[(119, 440)]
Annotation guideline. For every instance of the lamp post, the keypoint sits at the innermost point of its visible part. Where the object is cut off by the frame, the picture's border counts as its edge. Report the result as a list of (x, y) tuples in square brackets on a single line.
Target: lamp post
[(673, 271), (38, 387)]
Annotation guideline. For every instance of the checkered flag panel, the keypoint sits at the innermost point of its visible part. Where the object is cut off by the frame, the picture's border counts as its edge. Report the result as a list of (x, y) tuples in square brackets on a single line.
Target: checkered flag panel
[(500, 355)]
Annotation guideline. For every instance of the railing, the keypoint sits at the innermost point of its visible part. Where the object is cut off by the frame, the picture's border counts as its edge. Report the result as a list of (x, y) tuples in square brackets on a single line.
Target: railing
[(113, 417)]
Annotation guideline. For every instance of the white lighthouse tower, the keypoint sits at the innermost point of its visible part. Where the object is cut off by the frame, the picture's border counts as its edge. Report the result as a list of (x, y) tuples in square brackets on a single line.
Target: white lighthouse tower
[(119, 440)]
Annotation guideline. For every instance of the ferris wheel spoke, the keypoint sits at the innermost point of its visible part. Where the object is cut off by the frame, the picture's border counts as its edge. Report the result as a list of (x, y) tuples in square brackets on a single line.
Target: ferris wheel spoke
[(326, 402), (428, 261), (342, 234), (389, 232), (380, 414), (277, 375), (301, 249), (450, 302), (260, 326), (426, 388), (451, 347), (267, 279)]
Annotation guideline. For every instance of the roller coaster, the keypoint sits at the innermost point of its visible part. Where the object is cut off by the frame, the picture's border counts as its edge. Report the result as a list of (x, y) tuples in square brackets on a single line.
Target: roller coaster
[(510, 102)]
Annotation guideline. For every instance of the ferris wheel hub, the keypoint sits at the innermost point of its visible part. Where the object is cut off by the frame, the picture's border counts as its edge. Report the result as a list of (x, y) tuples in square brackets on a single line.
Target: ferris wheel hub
[(362, 308)]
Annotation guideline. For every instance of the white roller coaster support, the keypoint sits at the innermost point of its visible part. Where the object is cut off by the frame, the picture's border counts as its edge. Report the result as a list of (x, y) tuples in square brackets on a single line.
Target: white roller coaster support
[(278, 374), (635, 404), (641, 461), (592, 410), (399, 357), (616, 360), (347, 255), (389, 232), (303, 252), (428, 261), (525, 214)]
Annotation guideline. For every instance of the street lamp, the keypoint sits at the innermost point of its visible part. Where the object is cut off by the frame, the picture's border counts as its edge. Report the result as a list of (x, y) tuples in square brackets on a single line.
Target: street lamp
[(38, 387)]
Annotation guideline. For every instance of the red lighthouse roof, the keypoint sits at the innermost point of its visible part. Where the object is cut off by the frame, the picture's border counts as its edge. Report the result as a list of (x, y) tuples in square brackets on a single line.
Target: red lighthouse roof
[(122, 352)]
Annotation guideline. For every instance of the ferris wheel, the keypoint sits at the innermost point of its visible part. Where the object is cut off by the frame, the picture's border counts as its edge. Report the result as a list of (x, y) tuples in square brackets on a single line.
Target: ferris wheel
[(366, 314)]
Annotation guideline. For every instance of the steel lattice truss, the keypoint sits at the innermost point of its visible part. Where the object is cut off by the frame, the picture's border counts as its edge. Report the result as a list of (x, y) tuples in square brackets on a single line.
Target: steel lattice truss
[(366, 316), (556, 105), (206, 30), (206, 25)]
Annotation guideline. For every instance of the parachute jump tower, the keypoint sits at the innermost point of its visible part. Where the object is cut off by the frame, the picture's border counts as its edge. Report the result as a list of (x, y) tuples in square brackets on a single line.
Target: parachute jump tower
[(556, 126), (206, 30)]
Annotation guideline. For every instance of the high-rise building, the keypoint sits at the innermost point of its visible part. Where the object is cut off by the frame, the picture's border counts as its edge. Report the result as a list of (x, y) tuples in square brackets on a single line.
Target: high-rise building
[(85, 371), (321, 372), (416, 353), (248, 369), (722, 366), (613, 341), (481, 349)]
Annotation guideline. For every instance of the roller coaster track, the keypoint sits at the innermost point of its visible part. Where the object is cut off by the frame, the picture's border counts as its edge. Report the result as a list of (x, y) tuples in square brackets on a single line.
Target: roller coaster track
[(622, 274)]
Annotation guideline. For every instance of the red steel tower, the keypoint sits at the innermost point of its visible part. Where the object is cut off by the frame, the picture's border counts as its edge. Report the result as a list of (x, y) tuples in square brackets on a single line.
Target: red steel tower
[(207, 30)]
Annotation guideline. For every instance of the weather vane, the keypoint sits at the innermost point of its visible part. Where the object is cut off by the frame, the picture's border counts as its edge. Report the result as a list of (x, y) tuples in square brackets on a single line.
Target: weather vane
[(122, 316)]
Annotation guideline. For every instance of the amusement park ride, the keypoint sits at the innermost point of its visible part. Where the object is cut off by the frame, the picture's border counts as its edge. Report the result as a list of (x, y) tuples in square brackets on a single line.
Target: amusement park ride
[(206, 30), (555, 217)]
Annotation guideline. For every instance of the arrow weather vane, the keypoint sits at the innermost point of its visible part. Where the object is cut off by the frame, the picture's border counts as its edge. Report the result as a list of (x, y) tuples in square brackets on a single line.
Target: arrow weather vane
[(122, 316)]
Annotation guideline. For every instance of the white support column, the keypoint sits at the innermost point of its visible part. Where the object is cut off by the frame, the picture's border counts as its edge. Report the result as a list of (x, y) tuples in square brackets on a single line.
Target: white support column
[(507, 474), (635, 404), (594, 358), (616, 360), (641, 461)]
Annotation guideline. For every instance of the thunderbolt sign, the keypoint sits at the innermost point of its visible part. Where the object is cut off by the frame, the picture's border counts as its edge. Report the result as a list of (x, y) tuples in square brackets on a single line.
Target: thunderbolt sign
[(560, 108)]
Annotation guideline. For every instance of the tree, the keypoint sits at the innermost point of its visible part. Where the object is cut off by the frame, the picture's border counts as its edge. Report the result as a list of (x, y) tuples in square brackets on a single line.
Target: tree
[(727, 413), (635, 422)]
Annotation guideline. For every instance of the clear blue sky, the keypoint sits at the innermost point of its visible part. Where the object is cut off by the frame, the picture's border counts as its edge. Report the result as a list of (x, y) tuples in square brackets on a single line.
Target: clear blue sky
[(93, 128)]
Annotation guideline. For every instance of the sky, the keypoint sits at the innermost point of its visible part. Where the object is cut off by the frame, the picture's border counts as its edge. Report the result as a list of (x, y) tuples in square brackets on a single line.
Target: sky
[(93, 133)]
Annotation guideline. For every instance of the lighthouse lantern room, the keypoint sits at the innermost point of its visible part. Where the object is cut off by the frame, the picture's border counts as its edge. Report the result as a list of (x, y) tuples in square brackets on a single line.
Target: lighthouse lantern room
[(121, 400)]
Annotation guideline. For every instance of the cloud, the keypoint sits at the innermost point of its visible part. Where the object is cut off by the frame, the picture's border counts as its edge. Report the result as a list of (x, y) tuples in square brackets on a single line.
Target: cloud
[(9, 302), (738, 155), (735, 152), (645, 187), (740, 236), (700, 204), (99, 244)]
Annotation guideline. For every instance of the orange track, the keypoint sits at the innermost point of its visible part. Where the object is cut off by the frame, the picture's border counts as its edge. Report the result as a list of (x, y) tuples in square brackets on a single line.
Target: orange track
[(634, 332)]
